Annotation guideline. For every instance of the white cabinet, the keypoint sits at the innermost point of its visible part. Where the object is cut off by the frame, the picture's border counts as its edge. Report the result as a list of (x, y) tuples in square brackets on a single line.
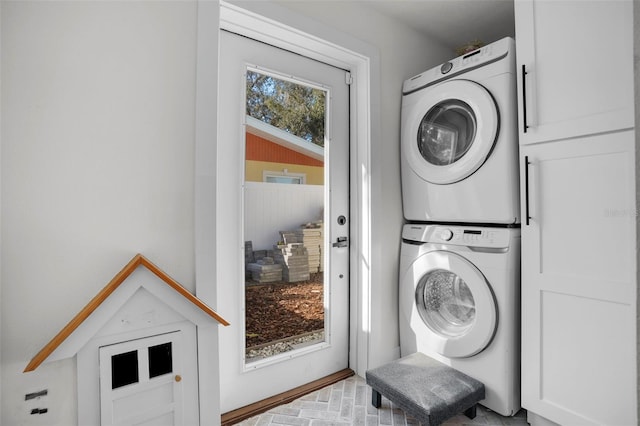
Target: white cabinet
[(577, 157), (578, 280), (578, 60)]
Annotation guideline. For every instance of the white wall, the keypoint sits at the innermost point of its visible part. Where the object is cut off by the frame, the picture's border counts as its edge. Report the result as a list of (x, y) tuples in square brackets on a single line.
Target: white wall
[(97, 165), (403, 54)]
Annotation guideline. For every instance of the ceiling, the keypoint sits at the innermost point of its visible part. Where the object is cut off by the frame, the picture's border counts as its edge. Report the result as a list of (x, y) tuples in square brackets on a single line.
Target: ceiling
[(453, 23)]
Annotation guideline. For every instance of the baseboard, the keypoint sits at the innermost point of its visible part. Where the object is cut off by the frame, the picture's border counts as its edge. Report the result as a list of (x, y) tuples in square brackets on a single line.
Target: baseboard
[(240, 414), (537, 420)]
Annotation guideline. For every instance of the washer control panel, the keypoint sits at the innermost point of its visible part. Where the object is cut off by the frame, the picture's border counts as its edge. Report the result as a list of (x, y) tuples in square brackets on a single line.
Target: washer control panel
[(470, 236)]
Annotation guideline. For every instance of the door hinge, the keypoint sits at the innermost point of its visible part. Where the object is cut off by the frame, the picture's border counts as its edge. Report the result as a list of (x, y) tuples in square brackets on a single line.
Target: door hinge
[(348, 79)]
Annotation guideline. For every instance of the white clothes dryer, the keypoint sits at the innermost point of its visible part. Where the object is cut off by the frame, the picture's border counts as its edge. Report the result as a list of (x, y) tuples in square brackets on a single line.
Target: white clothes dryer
[(459, 143), (459, 304)]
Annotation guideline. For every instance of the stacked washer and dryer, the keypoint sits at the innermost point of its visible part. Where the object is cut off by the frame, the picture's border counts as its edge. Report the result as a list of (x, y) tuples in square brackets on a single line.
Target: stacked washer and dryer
[(460, 258)]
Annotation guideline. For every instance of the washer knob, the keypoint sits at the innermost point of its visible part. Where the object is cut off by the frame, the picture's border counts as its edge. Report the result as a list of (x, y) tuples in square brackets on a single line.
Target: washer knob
[(446, 234), (446, 67)]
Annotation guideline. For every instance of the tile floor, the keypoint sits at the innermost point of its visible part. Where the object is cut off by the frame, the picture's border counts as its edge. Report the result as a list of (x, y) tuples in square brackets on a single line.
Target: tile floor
[(349, 403)]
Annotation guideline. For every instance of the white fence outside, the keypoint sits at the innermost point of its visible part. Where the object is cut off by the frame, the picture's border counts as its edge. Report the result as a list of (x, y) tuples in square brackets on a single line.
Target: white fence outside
[(273, 207)]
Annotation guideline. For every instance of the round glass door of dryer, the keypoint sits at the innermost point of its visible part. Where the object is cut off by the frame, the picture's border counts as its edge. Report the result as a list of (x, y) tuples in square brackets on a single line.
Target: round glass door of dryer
[(446, 132), (450, 131), (454, 308)]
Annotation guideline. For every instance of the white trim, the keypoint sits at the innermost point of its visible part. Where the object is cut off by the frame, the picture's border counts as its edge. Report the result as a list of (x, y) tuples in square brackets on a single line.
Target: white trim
[(361, 65), (285, 356), (206, 110), (260, 27)]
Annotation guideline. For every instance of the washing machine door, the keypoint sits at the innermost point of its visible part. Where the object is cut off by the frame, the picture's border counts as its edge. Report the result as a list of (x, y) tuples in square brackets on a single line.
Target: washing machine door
[(450, 131), (454, 312)]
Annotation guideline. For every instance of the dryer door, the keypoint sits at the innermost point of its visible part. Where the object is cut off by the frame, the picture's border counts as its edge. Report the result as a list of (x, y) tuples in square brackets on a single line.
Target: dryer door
[(454, 310), (450, 131)]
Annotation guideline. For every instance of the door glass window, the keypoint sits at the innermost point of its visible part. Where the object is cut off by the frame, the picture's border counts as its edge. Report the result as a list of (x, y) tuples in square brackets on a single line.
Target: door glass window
[(447, 132), (445, 303), (124, 369), (284, 195), (160, 360)]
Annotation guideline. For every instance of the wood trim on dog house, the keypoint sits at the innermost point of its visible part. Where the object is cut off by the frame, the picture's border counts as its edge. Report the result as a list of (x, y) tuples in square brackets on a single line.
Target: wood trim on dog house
[(57, 344)]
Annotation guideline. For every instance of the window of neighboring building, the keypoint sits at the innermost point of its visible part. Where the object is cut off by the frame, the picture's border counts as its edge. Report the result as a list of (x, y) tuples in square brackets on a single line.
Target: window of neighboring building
[(284, 177)]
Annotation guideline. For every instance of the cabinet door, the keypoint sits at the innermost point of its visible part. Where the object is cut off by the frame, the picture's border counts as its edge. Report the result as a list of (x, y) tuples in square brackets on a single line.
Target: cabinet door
[(578, 60), (578, 280)]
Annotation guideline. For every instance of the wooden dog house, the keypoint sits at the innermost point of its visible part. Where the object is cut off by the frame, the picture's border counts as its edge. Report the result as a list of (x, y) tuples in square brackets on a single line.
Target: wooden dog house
[(136, 348)]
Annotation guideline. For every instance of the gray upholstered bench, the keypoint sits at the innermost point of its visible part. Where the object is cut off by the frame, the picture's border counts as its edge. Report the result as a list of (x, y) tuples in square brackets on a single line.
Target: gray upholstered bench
[(426, 389)]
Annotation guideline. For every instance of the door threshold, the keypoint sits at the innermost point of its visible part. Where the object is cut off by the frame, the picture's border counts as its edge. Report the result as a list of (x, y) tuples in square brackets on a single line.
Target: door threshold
[(243, 413)]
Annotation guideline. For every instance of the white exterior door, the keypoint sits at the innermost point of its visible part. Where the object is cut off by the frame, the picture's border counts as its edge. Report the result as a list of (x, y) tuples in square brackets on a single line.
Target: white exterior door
[(150, 381), (245, 381)]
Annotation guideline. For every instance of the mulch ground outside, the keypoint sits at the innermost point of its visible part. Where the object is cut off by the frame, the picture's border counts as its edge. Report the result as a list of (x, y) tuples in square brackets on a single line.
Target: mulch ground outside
[(280, 310)]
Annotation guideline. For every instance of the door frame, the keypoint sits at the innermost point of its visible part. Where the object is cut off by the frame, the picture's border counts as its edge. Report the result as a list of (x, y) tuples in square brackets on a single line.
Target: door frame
[(362, 60)]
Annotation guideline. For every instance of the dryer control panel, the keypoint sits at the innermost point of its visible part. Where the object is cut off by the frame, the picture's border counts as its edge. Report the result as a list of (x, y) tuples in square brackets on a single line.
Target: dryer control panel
[(469, 236), (485, 55)]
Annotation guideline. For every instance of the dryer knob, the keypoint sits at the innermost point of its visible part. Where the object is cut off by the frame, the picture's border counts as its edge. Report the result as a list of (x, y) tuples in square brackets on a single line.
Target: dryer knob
[(446, 67), (446, 234)]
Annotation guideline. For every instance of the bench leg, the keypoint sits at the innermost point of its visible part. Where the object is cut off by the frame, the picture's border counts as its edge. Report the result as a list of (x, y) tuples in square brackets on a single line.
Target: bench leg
[(471, 412), (376, 398)]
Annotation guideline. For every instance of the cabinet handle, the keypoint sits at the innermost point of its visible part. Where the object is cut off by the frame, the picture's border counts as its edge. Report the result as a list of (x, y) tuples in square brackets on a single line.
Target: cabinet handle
[(525, 126), (526, 189)]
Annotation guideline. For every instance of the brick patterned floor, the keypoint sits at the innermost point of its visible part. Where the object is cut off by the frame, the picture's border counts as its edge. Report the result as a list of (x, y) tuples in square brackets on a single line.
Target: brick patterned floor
[(349, 403)]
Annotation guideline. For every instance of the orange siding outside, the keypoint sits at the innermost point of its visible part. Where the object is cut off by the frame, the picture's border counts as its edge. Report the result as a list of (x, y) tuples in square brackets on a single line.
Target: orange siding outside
[(259, 149)]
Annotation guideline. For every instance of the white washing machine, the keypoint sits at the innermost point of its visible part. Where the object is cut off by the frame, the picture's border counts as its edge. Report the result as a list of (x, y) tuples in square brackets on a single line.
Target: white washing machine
[(459, 304), (459, 143)]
